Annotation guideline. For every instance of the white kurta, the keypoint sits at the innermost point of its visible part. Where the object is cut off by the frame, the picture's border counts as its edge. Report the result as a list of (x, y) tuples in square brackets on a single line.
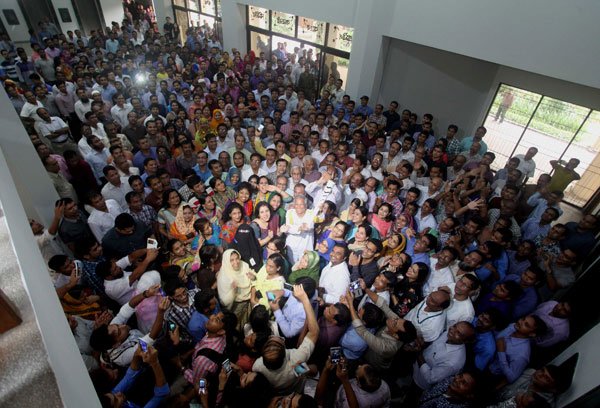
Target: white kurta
[(297, 242)]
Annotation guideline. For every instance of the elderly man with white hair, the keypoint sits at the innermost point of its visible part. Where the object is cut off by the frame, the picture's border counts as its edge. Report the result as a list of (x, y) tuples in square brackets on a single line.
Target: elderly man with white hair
[(299, 227)]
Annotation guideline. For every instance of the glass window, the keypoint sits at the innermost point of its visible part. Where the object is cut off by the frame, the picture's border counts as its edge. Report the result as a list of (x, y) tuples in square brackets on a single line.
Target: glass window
[(506, 121), (182, 19), (311, 30), (340, 37), (218, 3), (283, 44), (336, 66), (194, 19), (193, 5), (258, 17), (208, 7), (180, 3), (284, 23), (260, 43), (586, 148)]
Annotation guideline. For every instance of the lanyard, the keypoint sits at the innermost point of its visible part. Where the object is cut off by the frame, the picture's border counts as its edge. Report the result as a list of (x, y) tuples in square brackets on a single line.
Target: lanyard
[(427, 318)]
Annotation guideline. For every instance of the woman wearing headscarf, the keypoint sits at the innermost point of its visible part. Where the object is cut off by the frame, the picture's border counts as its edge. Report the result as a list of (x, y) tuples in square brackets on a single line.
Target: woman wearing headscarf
[(395, 244), (229, 111), (234, 283), (234, 178), (307, 266), (183, 227), (217, 118)]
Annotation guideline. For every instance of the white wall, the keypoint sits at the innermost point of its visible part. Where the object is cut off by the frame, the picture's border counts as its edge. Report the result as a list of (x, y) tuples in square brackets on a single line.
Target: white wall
[(112, 10), (73, 25), (164, 9), (425, 80), (19, 32), (551, 37), (585, 377), (26, 191)]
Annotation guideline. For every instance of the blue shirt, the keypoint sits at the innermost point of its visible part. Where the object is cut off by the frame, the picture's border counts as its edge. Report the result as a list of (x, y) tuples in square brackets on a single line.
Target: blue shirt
[(484, 348), (512, 362), (531, 228), (352, 344), (139, 157), (204, 175), (526, 303), (539, 205), (365, 110), (516, 267), (466, 143), (197, 325), (291, 317), (410, 250), (160, 393)]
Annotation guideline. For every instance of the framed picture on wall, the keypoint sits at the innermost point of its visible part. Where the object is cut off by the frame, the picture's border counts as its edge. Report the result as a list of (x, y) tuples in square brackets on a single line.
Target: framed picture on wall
[(10, 16), (65, 16)]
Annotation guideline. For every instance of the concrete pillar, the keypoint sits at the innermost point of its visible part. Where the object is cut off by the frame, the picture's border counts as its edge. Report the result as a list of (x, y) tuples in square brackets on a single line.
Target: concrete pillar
[(26, 191), (164, 9), (234, 26), (112, 10)]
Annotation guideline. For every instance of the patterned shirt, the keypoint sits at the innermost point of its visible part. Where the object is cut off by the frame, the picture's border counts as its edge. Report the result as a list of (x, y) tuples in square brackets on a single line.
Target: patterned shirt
[(89, 277), (453, 147), (201, 365), (181, 315), (146, 216)]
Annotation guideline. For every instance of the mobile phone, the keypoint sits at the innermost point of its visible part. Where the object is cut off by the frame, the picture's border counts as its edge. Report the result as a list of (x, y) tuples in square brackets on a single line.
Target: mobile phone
[(288, 286), (162, 292), (258, 294), (356, 289), (270, 296), (227, 365), (78, 268), (202, 386), (335, 353), (151, 243), (172, 326), (143, 345), (301, 369)]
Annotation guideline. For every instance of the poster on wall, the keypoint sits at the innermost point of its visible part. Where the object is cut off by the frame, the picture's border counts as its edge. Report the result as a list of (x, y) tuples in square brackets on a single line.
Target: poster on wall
[(65, 16), (10, 16)]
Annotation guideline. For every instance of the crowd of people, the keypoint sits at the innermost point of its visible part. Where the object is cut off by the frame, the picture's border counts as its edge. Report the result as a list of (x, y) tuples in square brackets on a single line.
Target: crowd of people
[(227, 234)]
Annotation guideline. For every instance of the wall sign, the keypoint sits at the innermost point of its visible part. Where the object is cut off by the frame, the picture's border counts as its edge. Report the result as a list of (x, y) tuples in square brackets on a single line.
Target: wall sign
[(65, 16), (11, 17)]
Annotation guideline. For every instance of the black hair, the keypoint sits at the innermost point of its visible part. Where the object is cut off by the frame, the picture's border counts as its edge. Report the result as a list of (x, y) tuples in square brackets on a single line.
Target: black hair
[(57, 262), (202, 299), (124, 221), (373, 316)]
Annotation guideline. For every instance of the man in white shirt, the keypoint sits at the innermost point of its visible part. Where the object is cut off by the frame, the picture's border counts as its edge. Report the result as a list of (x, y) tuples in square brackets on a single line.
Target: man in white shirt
[(120, 111), (354, 190), (440, 273), (431, 191), (443, 358), (102, 217), (461, 309), (83, 105), (119, 285), (324, 189), (277, 363), (98, 157), (335, 277), (116, 188), (526, 163), (429, 316), (55, 130)]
